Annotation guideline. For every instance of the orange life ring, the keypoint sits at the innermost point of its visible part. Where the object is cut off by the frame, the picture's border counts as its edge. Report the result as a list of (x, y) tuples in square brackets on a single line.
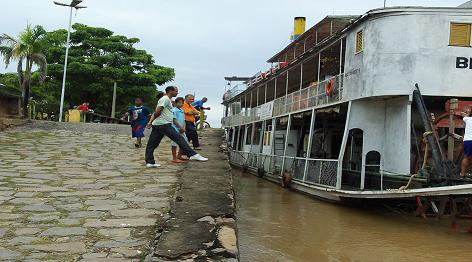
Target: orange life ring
[(329, 87)]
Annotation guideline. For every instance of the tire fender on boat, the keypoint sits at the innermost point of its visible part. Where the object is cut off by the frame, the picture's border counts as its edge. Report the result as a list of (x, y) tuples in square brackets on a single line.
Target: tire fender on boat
[(286, 179)]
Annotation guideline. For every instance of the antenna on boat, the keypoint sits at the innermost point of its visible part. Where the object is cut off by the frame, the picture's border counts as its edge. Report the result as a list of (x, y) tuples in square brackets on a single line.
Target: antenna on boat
[(385, 3)]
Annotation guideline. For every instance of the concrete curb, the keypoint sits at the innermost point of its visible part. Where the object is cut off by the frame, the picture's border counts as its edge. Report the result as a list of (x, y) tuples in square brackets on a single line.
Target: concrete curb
[(201, 224)]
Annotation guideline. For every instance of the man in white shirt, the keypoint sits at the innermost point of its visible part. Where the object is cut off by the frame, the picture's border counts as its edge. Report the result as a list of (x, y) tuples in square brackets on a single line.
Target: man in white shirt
[(467, 142), (161, 124)]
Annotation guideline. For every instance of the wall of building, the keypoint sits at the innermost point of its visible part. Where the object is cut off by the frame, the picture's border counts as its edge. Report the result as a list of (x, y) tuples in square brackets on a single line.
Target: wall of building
[(9, 106), (401, 49)]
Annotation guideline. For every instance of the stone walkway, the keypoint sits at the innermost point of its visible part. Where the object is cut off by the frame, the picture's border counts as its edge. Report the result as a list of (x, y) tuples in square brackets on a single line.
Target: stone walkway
[(202, 225), (79, 194)]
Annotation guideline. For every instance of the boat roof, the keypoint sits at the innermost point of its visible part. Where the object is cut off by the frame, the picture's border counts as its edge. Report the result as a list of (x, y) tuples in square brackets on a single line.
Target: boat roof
[(352, 24), (351, 20), (342, 19)]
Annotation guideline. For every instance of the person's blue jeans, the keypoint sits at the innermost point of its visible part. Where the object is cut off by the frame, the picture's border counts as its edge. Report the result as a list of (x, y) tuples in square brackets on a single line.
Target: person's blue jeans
[(157, 133)]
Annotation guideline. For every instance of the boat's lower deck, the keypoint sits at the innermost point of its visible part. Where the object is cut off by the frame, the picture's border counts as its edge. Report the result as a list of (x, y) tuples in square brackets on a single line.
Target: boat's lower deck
[(400, 187)]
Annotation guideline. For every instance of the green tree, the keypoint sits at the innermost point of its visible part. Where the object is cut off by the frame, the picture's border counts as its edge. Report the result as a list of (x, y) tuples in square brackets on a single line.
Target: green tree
[(28, 51), (98, 59)]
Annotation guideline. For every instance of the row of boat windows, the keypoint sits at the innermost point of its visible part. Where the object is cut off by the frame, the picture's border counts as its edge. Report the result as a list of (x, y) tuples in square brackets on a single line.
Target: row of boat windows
[(326, 140)]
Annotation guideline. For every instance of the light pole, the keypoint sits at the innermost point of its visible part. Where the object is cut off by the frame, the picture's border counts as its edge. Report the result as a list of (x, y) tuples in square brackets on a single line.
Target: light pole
[(72, 5), (113, 105)]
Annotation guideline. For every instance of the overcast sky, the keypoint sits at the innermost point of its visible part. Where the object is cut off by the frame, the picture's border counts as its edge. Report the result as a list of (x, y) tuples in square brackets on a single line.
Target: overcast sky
[(203, 40)]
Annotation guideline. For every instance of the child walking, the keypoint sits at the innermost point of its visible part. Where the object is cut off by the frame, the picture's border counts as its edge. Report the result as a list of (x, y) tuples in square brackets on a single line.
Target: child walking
[(179, 126), (139, 117)]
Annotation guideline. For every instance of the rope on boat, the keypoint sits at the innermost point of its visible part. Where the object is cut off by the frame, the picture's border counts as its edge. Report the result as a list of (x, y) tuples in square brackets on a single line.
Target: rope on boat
[(409, 182), (425, 159), (426, 148)]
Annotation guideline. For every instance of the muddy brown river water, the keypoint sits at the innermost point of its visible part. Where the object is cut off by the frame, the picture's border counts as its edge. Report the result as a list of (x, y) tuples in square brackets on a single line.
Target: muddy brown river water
[(280, 225)]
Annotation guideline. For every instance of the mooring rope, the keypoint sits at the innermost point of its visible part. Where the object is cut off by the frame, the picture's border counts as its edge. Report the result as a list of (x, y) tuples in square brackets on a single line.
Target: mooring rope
[(425, 159)]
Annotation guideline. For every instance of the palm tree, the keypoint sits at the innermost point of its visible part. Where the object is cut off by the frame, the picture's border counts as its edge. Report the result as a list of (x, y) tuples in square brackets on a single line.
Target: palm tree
[(28, 51)]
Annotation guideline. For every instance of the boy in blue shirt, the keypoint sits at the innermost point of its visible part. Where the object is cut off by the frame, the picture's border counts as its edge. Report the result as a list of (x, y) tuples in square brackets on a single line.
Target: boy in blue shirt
[(179, 126), (139, 117)]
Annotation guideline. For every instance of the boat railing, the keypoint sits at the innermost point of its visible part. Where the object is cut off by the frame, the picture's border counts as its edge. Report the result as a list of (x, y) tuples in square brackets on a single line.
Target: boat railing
[(305, 170), (236, 90), (322, 172), (315, 95)]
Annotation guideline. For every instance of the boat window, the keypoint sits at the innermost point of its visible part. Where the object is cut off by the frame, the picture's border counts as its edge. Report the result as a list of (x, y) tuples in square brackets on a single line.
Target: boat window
[(372, 171), (278, 144), (235, 138), (270, 91), (328, 132), (460, 34), (298, 135), (359, 41), (242, 131), (279, 135), (235, 108), (372, 162), (353, 154), (267, 133), (297, 144), (230, 136), (249, 135), (257, 134)]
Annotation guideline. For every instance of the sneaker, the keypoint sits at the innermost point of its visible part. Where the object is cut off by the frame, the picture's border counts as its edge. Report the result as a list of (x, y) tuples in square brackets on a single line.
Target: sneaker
[(152, 165), (198, 157)]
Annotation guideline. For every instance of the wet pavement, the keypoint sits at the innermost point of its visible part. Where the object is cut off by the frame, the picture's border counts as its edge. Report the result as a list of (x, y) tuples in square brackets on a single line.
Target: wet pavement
[(79, 192)]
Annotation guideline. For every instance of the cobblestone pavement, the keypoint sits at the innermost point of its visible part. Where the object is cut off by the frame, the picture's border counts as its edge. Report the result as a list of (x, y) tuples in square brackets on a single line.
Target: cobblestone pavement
[(69, 195)]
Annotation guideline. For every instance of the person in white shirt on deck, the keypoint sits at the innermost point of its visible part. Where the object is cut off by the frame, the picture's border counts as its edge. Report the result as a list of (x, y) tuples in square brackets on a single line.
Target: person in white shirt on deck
[(467, 142)]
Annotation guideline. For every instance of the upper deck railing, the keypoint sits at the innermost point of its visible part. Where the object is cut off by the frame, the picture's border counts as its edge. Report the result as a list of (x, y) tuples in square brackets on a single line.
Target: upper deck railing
[(259, 77), (236, 90), (315, 95)]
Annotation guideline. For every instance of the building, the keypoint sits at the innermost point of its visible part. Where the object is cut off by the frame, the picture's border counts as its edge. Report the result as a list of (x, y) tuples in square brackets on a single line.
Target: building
[(10, 103)]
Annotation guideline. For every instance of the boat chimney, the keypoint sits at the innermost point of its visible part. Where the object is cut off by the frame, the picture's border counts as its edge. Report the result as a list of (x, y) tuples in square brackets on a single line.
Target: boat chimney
[(298, 27)]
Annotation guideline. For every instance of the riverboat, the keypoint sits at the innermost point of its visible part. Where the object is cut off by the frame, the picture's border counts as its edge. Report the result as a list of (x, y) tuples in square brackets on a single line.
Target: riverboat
[(361, 107)]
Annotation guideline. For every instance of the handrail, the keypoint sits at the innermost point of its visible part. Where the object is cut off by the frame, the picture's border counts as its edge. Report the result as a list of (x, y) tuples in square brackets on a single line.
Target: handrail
[(251, 159), (236, 90), (311, 96), (292, 157)]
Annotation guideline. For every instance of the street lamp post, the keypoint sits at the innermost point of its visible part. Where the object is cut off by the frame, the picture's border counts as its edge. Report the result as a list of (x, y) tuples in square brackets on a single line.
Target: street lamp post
[(72, 5)]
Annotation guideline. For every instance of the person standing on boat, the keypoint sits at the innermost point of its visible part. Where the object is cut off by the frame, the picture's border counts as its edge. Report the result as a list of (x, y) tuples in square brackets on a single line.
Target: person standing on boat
[(467, 142)]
